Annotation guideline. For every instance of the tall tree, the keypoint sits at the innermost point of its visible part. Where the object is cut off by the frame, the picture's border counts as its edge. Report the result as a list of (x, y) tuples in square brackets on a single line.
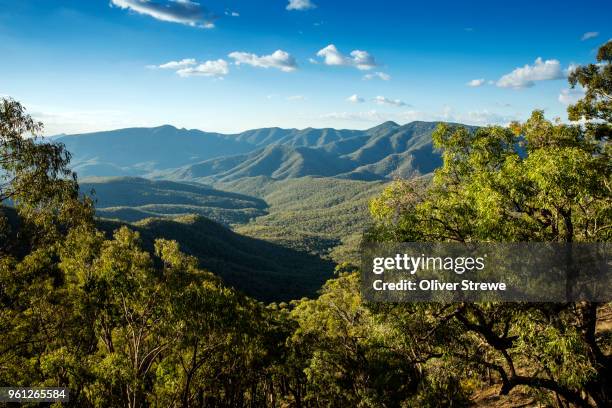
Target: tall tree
[(536, 181), (35, 176)]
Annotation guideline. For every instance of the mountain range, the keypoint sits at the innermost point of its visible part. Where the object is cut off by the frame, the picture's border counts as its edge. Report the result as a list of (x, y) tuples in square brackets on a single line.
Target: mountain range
[(270, 210), (166, 152)]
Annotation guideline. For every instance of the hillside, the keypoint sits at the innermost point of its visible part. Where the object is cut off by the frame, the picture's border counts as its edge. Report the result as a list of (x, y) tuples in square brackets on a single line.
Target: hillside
[(138, 151), (165, 152), (382, 152), (306, 189), (321, 215), (266, 271), (263, 270), (133, 199), (274, 161)]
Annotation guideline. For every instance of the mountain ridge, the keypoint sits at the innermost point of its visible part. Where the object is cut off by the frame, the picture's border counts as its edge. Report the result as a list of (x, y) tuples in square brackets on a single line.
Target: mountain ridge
[(166, 152)]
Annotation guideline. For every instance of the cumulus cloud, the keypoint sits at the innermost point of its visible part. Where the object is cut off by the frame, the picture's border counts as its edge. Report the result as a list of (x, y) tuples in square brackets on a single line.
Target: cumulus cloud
[(474, 83), (355, 99), (380, 75), (570, 96), (279, 59), (360, 59), (300, 5), (218, 69), (185, 62), (526, 76), (381, 100), (232, 13), (174, 11), (589, 34)]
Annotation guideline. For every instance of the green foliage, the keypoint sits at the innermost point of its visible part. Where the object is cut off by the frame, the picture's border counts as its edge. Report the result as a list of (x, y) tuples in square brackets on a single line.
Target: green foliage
[(126, 327), (537, 181), (34, 175), (325, 216), (352, 359), (133, 199), (595, 108), (264, 270)]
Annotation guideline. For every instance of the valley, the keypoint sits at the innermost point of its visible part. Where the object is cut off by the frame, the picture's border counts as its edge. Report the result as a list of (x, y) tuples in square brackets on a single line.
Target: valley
[(269, 210)]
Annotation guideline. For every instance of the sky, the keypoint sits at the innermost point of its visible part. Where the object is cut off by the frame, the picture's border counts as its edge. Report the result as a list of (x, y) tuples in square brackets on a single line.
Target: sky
[(233, 65)]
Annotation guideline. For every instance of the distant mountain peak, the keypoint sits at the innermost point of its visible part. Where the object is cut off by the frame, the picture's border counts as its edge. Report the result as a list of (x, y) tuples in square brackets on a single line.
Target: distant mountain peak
[(165, 127), (384, 126)]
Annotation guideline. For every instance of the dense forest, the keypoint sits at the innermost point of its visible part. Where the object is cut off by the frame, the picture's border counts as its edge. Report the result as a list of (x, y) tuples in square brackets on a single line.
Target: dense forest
[(127, 320)]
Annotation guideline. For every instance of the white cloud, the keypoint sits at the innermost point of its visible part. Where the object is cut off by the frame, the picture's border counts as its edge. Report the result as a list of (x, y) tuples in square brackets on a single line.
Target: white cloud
[(232, 13), (570, 96), (313, 61), (381, 100), (474, 83), (589, 34), (300, 5), (381, 75), (218, 69), (479, 118), (526, 76), (355, 99), (185, 62), (360, 59), (367, 116), (174, 11), (296, 98), (375, 116), (279, 59), (572, 67)]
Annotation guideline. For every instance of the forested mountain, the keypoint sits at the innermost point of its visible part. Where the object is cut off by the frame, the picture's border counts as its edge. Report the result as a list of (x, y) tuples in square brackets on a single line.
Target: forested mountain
[(138, 151), (263, 270), (132, 199), (275, 161), (165, 152), (321, 215)]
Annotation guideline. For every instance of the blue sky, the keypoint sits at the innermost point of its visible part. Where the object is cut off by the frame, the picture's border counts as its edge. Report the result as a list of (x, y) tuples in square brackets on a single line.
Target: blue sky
[(233, 65)]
